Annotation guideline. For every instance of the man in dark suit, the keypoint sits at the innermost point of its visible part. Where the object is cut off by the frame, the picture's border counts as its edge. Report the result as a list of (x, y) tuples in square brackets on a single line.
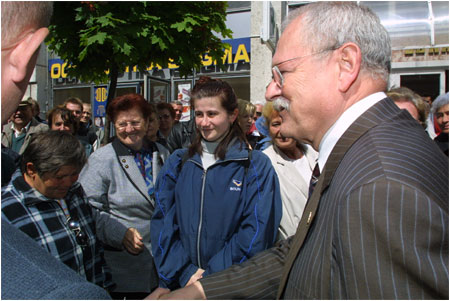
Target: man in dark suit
[(376, 224)]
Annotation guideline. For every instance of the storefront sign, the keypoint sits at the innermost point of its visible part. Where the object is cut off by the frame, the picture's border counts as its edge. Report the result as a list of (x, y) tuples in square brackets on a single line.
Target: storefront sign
[(423, 51), (100, 97), (238, 53)]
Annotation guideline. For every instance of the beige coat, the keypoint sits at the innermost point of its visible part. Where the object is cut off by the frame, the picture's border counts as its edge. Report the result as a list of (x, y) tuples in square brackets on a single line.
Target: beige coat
[(35, 127), (293, 187)]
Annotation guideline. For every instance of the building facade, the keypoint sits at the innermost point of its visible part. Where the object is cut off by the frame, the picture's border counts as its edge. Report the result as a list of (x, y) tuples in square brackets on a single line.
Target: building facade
[(420, 57)]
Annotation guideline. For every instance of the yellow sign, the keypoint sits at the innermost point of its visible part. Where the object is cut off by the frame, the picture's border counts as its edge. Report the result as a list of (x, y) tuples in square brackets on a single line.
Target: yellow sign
[(57, 69), (101, 94)]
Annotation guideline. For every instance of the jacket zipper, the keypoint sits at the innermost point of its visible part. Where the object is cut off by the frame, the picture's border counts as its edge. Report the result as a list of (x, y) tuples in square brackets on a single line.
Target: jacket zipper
[(200, 222)]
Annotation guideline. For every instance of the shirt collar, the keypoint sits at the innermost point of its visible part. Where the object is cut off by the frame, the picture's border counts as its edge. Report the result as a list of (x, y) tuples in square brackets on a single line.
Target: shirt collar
[(335, 132), (24, 129)]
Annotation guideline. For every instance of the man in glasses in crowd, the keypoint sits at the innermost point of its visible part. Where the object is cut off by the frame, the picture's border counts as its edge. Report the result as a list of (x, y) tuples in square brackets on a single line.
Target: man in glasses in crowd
[(376, 223)]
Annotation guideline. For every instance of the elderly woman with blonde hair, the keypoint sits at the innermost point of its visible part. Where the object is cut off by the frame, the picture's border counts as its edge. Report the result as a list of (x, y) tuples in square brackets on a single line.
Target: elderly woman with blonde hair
[(294, 163)]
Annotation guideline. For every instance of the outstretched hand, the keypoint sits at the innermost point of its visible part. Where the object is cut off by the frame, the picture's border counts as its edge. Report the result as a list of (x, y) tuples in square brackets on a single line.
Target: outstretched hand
[(158, 294), (198, 275), (191, 292)]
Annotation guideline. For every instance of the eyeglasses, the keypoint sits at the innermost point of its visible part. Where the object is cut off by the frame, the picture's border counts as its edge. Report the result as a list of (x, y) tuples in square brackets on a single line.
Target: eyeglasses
[(79, 235), (278, 77), (123, 125)]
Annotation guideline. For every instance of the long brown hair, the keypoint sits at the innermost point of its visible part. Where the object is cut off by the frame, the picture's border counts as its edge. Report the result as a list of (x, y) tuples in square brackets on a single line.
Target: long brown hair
[(208, 87)]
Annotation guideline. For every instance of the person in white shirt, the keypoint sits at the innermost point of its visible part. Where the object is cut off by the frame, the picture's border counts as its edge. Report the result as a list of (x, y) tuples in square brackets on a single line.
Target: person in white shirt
[(294, 163)]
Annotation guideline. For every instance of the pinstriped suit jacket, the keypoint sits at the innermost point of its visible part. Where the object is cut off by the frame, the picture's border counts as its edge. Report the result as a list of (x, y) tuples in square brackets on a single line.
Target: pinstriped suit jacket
[(376, 226)]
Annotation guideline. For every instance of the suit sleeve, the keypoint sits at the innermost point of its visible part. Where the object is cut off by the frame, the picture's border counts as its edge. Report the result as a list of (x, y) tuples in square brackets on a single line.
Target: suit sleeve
[(95, 179), (258, 229), (256, 278), (392, 239), (171, 259)]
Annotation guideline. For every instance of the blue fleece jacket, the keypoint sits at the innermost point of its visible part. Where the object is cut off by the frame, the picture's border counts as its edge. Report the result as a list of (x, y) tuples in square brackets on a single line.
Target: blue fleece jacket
[(214, 218)]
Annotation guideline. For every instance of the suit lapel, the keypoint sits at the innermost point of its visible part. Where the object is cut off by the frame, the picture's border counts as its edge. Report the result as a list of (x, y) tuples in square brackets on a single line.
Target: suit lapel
[(126, 161), (133, 174), (366, 121)]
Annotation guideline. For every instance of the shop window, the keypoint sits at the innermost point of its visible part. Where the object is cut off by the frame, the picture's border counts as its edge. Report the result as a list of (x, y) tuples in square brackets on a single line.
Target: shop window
[(422, 84)]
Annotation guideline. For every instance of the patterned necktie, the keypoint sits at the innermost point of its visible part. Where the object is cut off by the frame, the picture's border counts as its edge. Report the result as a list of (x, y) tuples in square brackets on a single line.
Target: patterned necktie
[(141, 163), (314, 178), (144, 163)]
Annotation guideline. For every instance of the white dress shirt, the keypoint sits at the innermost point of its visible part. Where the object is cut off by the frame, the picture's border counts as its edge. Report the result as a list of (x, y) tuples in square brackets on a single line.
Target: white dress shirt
[(335, 132)]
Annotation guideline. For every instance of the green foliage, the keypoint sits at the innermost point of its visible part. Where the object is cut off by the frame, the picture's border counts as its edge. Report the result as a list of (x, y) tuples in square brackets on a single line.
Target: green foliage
[(98, 36)]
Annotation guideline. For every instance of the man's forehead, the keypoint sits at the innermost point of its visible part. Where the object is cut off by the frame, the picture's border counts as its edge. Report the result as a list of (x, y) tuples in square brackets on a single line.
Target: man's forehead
[(70, 104), (289, 44)]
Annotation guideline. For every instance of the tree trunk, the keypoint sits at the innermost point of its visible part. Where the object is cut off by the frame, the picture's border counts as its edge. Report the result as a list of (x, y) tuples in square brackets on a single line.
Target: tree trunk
[(113, 75)]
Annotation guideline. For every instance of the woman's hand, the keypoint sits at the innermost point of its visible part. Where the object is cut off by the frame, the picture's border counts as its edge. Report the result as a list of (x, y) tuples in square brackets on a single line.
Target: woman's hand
[(132, 241), (198, 275)]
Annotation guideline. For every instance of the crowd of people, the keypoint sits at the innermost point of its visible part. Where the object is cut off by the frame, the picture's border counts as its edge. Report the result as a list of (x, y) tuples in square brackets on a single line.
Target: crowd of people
[(334, 188)]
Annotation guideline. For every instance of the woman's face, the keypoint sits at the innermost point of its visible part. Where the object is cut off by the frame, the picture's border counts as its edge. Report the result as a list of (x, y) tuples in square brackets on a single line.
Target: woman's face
[(245, 121), (212, 120), (131, 128), (153, 126), (54, 186), (274, 130), (165, 120), (442, 118), (58, 124)]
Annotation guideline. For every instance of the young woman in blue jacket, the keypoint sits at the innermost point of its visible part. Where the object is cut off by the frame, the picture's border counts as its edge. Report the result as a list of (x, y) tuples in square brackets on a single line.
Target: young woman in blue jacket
[(217, 202)]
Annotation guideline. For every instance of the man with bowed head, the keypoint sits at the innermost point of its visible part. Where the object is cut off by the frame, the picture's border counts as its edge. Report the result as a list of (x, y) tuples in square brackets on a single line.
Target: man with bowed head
[(381, 229)]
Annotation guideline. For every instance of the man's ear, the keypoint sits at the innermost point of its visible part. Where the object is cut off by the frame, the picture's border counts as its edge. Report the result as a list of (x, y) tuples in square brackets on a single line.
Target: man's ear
[(30, 170), (349, 65), (22, 56)]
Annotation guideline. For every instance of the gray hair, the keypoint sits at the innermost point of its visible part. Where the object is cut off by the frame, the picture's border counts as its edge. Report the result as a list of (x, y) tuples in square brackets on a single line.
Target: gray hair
[(329, 25), (439, 102), (18, 16), (51, 150)]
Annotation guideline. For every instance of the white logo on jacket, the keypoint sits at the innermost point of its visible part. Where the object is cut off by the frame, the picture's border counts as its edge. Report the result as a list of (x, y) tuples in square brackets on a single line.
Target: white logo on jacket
[(237, 186)]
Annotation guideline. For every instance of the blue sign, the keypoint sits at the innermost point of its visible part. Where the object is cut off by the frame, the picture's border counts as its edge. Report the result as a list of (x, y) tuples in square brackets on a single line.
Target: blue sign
[(100, 97)]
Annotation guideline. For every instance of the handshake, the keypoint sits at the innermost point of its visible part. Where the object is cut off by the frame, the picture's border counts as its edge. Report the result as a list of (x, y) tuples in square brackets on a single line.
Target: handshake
[(192, 290)]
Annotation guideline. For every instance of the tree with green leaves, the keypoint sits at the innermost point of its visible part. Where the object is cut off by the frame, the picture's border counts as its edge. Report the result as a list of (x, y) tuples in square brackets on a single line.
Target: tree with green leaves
[(95, 37)]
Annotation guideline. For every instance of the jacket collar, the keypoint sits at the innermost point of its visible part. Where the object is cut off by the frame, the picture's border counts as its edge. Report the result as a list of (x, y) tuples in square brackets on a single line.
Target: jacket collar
[(237, 150), (381, 111), (123, 150)]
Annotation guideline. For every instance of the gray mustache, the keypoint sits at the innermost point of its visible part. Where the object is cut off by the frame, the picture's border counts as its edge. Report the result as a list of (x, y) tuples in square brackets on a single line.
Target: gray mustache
[(281, 104)]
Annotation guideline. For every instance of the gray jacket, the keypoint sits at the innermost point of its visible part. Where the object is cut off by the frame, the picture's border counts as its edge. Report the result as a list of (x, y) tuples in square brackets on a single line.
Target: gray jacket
[(35, 127), (117, 190)]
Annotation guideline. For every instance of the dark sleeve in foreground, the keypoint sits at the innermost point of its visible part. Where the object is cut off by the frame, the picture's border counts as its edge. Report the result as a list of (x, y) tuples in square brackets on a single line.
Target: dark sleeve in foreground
[(256, 278), (30, 272)]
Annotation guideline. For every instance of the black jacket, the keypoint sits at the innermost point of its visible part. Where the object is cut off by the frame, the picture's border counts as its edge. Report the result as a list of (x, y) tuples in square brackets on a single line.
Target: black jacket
[(181, 135)]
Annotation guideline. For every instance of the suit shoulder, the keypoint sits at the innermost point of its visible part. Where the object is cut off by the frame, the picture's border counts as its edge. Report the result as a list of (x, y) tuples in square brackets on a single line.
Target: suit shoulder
[(396, 152)]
